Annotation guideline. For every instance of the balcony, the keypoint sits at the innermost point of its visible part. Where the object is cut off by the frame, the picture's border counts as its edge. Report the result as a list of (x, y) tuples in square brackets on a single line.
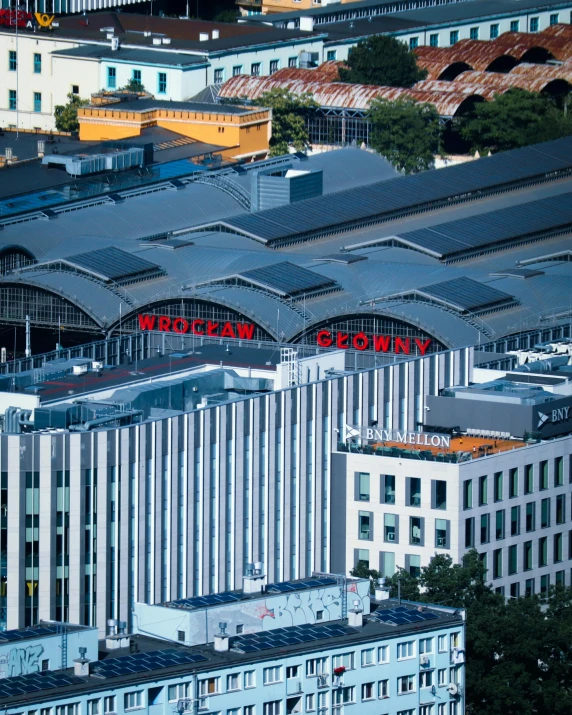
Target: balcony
[(457, 656), (293, 686), (323, 680)]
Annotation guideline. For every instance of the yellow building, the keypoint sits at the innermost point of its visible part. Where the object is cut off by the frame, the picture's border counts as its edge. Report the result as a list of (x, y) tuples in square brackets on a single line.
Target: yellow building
[(266, 6), (242, 132)]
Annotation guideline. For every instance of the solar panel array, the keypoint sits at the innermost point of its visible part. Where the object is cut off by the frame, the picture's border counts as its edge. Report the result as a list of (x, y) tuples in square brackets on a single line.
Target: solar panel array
[(401, 615), (286, 279), (284, 637), (21, 633), (142, 662), (35, 682), (465, 236), (284, 223), (214, 599), (289, 586), (466, 294), (114, 264)]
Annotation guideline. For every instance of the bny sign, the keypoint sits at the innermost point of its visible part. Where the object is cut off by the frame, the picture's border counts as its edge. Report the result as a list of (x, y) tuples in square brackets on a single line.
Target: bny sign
[(378, 343), (379, 434)]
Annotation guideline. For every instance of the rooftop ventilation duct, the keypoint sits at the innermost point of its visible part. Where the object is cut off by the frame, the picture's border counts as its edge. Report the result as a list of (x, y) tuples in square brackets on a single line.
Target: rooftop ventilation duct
[(203, 36), (156, 40), (215, 34)]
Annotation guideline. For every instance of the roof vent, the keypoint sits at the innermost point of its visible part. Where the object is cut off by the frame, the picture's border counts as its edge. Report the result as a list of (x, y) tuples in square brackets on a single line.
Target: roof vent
[(253, 581), (203, 36), (156, 40), (166, 40), (115, 43), (215, 34), (81, 664), (355, 615), (221, 639)]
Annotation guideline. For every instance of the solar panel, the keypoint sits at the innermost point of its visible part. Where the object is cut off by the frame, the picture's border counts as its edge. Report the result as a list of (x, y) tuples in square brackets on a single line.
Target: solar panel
[(289, 586), (141, 662), (205, 601), (282, 637), (35, 682), (286, 279), (344, 208), (401, 616), (20, 633), (114, 264), (466, 295)]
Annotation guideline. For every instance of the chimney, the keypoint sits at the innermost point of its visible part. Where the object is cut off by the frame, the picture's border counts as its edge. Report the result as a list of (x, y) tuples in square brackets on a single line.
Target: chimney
[(215, 34), (116, 638), (381, 590), (221, 640), (355, 616), (81, 664), (115, 43), (203, 36), (253, 581)]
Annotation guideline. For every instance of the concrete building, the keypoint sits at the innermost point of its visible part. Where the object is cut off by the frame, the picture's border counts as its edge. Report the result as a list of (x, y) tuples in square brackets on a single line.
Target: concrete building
[(501, 485), (403, 657)]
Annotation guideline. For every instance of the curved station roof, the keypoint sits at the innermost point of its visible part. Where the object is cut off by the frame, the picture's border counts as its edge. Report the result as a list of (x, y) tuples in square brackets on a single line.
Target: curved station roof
[(468, 253)]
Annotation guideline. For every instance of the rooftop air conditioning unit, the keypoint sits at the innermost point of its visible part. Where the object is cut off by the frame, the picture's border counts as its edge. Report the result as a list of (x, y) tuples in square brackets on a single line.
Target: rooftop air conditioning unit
[(391, 537)]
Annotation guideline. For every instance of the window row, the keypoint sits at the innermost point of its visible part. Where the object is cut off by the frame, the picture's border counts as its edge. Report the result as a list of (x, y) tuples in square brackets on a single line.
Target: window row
[(365, 488), (256, 69), (13, 61), (516, 589), (161, 86), (514, 483), (531, 554), (416, 535), (13, 101)]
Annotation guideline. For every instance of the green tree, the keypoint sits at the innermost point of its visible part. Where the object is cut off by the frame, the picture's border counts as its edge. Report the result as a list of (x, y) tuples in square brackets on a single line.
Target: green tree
[(407, 133), (66, 114), (514, 119), (227, 16), (382, 60), (134, 85), (289, 116)]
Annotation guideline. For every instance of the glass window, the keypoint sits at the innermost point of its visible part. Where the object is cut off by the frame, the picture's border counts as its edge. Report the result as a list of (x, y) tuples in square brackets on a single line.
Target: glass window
[(515, 521), (469, 532), (414, 567), (494, 31), (310, 702), (12, 61), (249, 679), (383, 689), (365, 519), (332, 56), (272, 708), (209, 686), (37, 63), (558, 472), (405, 650), (233, 681), (37, 101), (414, 497), (560, 509), (483, 491), (440, 497), (543, 475), (383, 654), (316, 666), (368, 657), (219, 75), (534, 24), (468, 494), (543, 551), (387, 559), (322, 701), (255, 69), (413, 42), (406, 684), (109, 705), (292, 671), (367, 691), (485, 528), (442, 677), (453, 37), (12, 99), (513, 483), (133, 700), (388, 489), (557, 548), (425, 678), (92, 707), (292, 62), (434, 39), (236, 70), (560, 580), (343, 696), (527, 556), (545, 513), (544, 584), (415, 530), (512, 559), (162, 83), (390, 527), (441, 534), (515, 25), (528, 479), (498, 486), (425, 646), (499, 526), (111, 77), (474, 33), (179, 691), (343, 660), (274, 66), (497, 563), (530, 516), (529, 587), (272, 675), (362, 486), (554, 18), (442, 644)]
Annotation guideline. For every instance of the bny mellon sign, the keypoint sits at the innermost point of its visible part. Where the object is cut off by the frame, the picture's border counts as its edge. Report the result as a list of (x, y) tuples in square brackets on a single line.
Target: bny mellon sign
[(379, 434)]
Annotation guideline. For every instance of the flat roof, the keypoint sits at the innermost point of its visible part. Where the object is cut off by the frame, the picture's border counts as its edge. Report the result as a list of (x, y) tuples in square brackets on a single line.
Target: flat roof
[(473, 447), (391, 619), (146, 105), (42, 630)]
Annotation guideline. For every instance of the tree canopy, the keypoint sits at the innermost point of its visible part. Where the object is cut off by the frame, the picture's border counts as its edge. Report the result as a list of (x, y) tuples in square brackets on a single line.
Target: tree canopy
[(514, 119), (134, 85), (518, 651), (382, 60), (289, 112), (407, 133), (66, 114)]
